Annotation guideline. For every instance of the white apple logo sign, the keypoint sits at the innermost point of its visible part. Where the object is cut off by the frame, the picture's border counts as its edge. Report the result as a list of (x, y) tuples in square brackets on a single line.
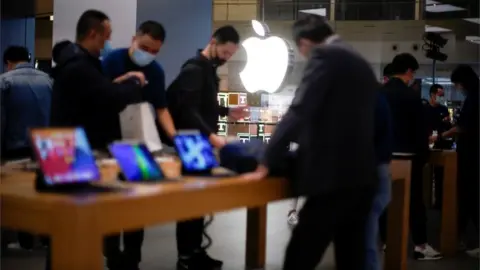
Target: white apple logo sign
[(269, 59)]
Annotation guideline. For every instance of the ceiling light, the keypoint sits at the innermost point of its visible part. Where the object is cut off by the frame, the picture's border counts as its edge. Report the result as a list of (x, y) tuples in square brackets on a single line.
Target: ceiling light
[(316, 11), (443, 8), (474, 39), (473, 20), (436, 29)]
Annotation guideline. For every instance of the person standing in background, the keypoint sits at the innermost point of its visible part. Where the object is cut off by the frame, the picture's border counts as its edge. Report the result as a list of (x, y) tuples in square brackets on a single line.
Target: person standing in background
[(468, 150), (439, 121), (140, 57), (335, 160), (26, 95), (411, 135), (192, 101)]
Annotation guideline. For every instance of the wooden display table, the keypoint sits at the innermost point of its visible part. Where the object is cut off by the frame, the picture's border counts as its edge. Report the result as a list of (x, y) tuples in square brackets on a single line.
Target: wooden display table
[(449, 234), (78, 224)]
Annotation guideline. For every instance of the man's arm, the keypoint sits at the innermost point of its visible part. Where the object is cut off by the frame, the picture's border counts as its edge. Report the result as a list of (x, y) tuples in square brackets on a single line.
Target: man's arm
[(190, 83), (106, 92), (159, 102), (308, 97)]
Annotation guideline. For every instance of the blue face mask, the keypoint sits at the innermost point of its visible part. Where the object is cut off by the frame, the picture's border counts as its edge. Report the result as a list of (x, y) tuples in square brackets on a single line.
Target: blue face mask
[(142, 58), (107, 48)]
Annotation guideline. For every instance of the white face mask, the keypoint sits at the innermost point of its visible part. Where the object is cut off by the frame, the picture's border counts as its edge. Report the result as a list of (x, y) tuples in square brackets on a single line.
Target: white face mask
[(142, 58), (440, 100)]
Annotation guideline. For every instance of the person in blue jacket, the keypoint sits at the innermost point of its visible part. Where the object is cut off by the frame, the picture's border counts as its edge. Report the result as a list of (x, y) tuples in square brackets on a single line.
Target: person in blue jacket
[(139, 57)]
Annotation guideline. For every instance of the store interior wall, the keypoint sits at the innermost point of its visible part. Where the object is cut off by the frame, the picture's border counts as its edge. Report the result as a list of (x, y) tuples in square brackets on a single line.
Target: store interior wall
[(19, 32), (122, 14)]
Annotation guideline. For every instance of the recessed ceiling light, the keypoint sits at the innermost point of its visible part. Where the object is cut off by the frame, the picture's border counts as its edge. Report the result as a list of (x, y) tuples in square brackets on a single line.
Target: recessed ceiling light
[(436, 29), (473, 20), (316, 11), (474, 39), (443, 8)]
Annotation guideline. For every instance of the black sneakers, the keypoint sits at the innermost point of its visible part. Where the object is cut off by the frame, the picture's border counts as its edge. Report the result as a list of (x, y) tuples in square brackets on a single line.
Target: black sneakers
[(199, 261)]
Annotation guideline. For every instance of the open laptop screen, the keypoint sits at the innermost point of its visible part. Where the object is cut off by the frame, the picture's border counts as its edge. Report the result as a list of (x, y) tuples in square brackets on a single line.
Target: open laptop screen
[(136, 162), (195, 152), (64, 155)]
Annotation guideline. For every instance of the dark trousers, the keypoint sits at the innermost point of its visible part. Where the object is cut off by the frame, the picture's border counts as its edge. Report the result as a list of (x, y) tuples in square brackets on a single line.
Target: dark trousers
[(418, 213), (468, 190), (339, 217), (131, 255), (190, 236), (382, 227)]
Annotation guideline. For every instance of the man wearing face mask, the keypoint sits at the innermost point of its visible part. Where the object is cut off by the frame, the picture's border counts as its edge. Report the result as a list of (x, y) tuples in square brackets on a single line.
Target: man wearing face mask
[(438, 120), (192, 101), (82, 94), (139, 57), (411, 133)]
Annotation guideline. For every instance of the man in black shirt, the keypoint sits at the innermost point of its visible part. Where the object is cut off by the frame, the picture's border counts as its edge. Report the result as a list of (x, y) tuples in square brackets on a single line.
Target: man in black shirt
[(192, 101), (82, 94), (439, 121), (411, 136), (467, 129), (438, 116)]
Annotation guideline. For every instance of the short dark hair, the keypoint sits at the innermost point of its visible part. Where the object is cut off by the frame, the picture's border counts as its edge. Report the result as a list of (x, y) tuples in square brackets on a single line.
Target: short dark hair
[(226, 34), (90, 20), (465, 75), (312, 27), (401, 63), (153, 29), (388, 70), (434, 89), (16, 54)]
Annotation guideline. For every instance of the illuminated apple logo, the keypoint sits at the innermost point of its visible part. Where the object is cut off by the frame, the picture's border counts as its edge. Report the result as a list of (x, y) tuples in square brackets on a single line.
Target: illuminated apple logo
[(269, 59)]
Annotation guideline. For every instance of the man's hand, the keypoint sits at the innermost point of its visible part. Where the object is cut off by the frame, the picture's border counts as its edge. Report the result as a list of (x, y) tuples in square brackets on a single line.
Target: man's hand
[(217, 141), (260, 173), (239, 112), (132, 74)]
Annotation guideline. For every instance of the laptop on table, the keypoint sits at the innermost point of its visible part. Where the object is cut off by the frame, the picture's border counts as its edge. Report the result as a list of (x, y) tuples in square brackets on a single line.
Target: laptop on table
[(137, 163), (66, 162), (197, 155)]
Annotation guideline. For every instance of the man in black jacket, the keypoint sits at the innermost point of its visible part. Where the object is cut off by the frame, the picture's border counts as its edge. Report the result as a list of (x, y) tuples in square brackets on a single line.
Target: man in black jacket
[(82, 94), (411, 135), (192, 102), (335, 166)]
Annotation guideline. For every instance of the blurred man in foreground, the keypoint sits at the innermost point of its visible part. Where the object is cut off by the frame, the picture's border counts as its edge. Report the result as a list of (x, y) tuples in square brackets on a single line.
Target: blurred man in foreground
[(335, 166)]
